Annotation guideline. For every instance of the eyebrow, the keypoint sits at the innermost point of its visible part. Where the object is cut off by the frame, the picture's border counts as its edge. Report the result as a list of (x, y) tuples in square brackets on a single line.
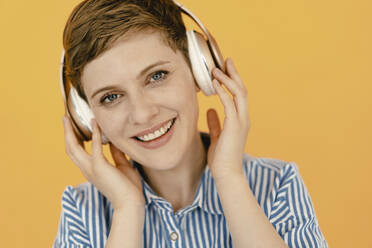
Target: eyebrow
[(149, 67)]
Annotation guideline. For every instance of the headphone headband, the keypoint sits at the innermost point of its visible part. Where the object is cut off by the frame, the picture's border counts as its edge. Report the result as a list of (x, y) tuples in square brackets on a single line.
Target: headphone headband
[(211, 42), (216, 53)]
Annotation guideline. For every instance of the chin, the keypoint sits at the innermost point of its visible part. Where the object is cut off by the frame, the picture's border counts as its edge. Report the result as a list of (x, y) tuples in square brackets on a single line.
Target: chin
[(163, 160)]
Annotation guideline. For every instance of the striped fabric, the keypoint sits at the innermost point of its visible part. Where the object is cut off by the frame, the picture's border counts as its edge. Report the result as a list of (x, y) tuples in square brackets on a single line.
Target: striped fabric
[(278, 187)]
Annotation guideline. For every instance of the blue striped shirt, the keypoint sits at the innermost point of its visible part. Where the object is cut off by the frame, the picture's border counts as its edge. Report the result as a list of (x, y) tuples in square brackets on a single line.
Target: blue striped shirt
[(277, 186)]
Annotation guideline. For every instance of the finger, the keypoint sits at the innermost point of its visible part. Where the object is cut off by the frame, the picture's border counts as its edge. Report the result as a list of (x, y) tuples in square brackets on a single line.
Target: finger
[(118, 156), (72, 146), (233, 73), (228, 103), (214, 125), (231, 85), (124, 166), (97, 152), (120, 160), (239, 93)]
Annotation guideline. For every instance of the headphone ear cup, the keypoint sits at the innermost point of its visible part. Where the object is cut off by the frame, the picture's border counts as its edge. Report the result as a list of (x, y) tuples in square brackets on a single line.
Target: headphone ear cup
[(81, 116), (80, 113), (201, 60)]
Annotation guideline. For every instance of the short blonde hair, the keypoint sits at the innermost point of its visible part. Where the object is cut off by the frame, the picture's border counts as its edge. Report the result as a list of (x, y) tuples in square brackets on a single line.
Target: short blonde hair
[(96, 24)]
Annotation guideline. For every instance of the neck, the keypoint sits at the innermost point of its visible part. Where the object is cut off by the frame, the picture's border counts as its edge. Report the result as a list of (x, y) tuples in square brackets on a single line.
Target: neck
[(179, 184)]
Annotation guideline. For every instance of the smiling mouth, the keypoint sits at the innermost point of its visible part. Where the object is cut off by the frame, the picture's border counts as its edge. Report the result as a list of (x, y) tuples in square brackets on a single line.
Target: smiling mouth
[(157, 134)]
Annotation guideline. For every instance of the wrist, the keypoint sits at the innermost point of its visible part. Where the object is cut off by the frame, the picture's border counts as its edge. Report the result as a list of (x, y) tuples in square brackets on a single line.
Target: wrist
[(127, 226), (129, 204), (130, 208), (227, 174)]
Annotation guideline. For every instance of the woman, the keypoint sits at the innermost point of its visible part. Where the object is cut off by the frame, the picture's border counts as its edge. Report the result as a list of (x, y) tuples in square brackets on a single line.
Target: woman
[(129, 61)]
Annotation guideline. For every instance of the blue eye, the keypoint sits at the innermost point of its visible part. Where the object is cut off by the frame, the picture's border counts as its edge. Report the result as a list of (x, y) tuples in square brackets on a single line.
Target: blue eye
[(158, 76), (109, 98)]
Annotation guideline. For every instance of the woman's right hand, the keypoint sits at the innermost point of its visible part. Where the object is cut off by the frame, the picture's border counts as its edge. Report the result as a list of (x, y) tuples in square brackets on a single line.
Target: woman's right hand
[(121, 184)]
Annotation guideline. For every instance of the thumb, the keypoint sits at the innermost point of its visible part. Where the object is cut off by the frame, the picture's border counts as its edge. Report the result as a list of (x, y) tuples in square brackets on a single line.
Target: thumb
[(124, 166), (118, 156), (214, 125)]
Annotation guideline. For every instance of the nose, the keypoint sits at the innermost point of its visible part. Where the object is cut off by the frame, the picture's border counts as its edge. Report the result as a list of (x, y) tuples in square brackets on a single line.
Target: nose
[(143, 110)]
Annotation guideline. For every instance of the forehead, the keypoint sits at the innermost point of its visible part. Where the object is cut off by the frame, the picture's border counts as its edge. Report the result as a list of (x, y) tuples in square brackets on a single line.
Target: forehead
[(125, 58)]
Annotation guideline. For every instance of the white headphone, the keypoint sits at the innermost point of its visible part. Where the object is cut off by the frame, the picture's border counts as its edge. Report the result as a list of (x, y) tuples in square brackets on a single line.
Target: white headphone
[(204, 56)]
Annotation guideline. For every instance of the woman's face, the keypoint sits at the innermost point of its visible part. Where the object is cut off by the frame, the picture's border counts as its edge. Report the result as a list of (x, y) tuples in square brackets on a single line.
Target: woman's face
[(138, 86)]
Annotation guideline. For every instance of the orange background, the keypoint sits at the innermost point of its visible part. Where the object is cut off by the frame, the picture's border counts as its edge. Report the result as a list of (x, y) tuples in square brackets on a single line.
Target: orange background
[(307, 68)]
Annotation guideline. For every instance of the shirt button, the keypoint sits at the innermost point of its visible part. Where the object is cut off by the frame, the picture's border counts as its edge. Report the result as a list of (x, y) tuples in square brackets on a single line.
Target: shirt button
[(173, 236)]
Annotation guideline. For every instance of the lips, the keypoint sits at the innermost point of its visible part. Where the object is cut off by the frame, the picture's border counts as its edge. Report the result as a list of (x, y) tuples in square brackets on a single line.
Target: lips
[(151, 130), (159, 141)]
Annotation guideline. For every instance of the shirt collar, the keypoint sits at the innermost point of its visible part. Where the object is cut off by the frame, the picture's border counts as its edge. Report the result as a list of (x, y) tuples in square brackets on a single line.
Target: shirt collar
[(206, 196)]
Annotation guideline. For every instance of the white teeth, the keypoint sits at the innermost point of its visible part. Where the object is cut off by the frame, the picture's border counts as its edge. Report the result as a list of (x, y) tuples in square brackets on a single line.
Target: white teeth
[(157, 133)]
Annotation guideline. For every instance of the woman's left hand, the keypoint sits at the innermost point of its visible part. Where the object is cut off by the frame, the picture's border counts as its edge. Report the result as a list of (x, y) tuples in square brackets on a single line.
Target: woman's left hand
[(225, 154)]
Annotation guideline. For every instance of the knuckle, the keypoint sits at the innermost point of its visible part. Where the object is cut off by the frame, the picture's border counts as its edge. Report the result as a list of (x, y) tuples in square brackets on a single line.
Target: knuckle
[(243, 92)]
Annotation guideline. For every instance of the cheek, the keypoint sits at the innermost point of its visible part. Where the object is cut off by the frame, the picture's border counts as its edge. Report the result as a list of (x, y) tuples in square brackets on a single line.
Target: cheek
[(183, 89), (186, 99), (110, 122), (181, 95)]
